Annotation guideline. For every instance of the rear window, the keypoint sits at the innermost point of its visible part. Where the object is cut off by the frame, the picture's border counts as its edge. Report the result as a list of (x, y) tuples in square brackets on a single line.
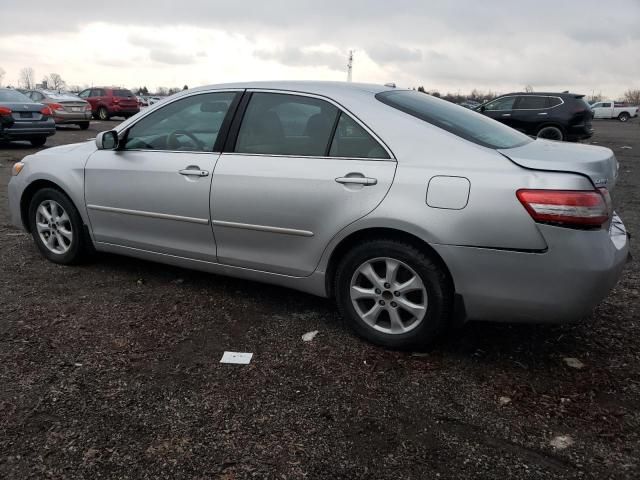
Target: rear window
[(122, 93), (13, 96), (455, 119)]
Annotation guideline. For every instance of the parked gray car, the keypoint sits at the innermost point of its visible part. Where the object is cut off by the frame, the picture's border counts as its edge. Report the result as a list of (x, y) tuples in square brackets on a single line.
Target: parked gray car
[(413, 213), (23, 119), (67, 109)]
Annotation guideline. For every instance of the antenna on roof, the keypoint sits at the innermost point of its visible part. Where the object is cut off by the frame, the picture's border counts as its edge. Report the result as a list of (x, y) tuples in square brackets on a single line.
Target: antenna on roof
[(350, 66)]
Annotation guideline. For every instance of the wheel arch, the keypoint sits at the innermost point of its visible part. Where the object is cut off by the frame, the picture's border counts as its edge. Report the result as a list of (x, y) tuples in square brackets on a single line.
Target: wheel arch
[(30, 191), (369, 233), (551, 124)]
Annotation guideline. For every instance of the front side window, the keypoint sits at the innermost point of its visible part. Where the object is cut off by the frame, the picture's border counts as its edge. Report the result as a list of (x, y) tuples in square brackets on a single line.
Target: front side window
[(13, 96), (606, 105), (454, 119), (353, 141), (190, 124), (84, 94), (531, 102), (504, 103), (283, 124)]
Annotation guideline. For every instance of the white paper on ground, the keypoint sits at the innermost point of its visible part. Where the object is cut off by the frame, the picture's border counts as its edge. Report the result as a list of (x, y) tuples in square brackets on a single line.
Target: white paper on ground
[(236, 357)]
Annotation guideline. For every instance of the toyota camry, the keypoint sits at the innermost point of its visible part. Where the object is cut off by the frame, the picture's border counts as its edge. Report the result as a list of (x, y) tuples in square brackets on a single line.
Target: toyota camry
[(409, 211)]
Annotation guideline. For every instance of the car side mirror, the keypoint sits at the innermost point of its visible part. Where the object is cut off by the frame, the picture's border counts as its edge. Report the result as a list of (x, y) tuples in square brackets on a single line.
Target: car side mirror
[(482, 108), (107, 140)]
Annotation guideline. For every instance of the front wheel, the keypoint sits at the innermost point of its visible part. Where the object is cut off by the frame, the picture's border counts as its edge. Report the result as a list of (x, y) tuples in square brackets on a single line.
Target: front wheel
[(393, 294), (551, 132), (56, 227), (623, 117)]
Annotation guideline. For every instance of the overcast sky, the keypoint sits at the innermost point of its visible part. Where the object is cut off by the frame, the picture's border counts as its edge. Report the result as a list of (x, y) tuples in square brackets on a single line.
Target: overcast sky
[(452, 45)]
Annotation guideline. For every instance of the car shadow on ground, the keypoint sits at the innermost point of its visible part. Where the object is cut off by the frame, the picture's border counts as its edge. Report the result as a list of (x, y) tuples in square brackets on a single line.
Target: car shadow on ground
[(524, 344)]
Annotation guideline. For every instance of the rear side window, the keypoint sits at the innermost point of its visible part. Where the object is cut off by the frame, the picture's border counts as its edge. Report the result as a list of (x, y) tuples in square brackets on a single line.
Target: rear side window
[(353, 141), (282, 124), (531, 102), (460, 121), (97, 92), (122, 93), (554, 101)]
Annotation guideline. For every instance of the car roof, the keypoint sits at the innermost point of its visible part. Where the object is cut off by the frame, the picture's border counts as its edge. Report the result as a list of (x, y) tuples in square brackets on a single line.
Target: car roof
[(556, 94), (303, 86)]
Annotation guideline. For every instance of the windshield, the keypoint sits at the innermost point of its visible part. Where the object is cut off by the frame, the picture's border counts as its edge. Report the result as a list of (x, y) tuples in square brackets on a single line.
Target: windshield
[(14, 96), (460, 121)]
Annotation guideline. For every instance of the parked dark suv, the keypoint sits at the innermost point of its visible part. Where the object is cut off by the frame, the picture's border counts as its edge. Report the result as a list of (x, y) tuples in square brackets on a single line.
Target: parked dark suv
[(554, 116), (107, 102)]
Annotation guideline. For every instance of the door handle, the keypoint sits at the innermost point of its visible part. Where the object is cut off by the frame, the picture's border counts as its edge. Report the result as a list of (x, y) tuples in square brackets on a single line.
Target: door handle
[(506, 114), (366, 181), (543, 113), (193, 171)]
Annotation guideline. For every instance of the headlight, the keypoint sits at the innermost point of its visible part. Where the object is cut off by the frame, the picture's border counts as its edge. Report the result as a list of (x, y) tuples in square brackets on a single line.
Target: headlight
[(17, 168)]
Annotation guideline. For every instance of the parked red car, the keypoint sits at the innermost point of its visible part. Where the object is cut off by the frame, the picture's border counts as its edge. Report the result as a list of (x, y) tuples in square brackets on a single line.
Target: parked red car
[(107, 102)]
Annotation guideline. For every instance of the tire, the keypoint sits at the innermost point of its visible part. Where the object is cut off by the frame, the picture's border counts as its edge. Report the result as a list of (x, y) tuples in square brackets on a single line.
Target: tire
[(415, 331), (103, 113), (624, 116), (38, 141), (551, 132), (69, 245), (83, 125)]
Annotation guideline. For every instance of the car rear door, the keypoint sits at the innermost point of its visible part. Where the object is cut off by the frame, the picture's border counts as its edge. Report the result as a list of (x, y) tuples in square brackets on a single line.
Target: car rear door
[(530, 112), (153, 192), (295, 171)]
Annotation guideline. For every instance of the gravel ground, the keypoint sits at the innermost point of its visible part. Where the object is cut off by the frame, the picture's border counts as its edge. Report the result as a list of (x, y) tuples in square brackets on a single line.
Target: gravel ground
[(111, 370)]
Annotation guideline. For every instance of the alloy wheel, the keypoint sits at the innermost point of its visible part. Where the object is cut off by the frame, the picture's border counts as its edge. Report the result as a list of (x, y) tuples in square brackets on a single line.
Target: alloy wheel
[(388, 295), (550, 133), (54, 227)]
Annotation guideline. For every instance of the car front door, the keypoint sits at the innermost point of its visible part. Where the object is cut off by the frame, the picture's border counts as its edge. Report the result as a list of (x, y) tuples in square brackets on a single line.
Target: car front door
[(152, 193), (603, 111), (500, 109), (297, 170)]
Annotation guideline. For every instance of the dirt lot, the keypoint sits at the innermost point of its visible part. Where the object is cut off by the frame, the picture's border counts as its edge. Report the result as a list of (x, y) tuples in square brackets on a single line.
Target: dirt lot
[(111, 370)]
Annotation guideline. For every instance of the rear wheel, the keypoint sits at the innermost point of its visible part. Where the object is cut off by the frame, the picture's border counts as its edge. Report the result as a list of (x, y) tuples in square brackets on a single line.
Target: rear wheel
[(38, 141), (551, 132), (623, 117), (393, 294), (83, 125), (103, 114), (56, 227)]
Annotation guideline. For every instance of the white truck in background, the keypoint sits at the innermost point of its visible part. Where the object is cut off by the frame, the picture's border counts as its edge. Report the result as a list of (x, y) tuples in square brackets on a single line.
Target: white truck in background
[(611, 109)]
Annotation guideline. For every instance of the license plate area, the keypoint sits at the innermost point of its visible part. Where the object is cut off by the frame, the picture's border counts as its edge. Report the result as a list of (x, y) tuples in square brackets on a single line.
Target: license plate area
[(26, 115)]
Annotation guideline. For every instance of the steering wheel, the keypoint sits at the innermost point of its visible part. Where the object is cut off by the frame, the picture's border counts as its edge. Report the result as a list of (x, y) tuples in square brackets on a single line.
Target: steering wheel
[(172, 139)]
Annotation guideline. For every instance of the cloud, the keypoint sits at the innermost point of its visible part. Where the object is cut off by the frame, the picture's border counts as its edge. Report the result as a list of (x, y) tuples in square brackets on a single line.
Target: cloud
[(297, 57), (169, 57), (441, 44), (387, 53)]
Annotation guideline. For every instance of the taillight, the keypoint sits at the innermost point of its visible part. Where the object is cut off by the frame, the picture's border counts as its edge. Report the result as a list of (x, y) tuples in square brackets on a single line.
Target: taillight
[(115, 100), (4, 111), (56, 107), (46, 111), (577, 208), (87, 107)]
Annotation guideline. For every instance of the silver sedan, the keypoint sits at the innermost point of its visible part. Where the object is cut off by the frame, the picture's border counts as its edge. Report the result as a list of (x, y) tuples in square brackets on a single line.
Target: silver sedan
[(413, 213)]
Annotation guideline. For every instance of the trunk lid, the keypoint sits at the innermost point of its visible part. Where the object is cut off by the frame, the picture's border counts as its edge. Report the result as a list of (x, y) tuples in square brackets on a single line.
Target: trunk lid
[(598, 163), (24, 111)]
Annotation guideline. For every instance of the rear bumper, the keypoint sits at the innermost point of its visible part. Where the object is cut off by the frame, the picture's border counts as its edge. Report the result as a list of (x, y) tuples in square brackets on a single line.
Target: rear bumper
[(579, 132), (562, 284), (118, 110), (20, 132), (72, 117)]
